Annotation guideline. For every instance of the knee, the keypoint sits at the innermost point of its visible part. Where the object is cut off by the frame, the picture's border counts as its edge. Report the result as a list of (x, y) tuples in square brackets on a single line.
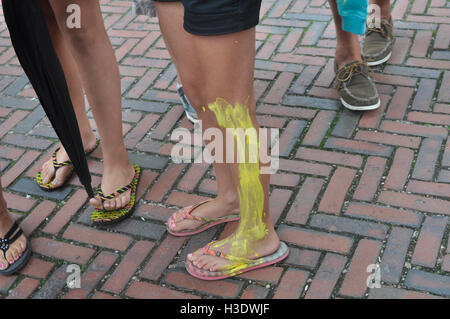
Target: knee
[(194, 93), (81, 40)]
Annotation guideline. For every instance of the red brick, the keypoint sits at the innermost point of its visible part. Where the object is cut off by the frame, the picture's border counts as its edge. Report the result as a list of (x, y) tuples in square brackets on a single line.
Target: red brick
[(60, 250), (304, 202), (399, 170), (164, 183), (92, 276), (66, 212), (255, 292), (24, 289), (334, 196), (97, 237), (429, 188), (270, 274), (279, 88), (154, 212), (145, 290), (303, 167), (389, 139), (355, 281), (225, 288), (326, 277), (319, 128), (162, 257), (370, 179), (278, 201), (292, 284), (429, 242), (12, 121), (140, 130), (37, 268), (315, 239), (329, 157), (415, 202), (384, 214), (19, 167), (18, 202), (127, 267)]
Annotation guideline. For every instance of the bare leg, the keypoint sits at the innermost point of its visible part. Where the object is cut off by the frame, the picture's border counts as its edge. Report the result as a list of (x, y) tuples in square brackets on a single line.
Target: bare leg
[(183, 53), (100, 76), (235, 85), (206, 74), (18, 247), (385, 6), (76, 94), (347, 48)]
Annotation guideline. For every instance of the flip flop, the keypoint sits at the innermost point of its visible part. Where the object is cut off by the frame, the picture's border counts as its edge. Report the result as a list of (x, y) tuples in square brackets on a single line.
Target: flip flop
[(49, 186), (103, 217), (207, 222), (4, 246), (243, 265)]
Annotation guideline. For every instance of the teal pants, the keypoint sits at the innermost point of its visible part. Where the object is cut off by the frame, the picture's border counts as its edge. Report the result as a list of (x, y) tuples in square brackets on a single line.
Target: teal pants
[(354, 15)]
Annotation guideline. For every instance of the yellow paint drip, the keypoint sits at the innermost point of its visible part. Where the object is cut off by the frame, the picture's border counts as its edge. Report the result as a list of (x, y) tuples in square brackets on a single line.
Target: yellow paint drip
[(250, 189)]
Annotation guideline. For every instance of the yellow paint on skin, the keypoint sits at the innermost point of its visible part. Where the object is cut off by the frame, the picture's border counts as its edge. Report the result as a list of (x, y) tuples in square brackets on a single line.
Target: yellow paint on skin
[(251, 192)]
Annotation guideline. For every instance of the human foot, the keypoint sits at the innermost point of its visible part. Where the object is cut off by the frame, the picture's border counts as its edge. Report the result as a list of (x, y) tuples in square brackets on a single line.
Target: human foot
[(194, 219), (355, 87), (115, 177), (11, 249), (234, 253), (58, 169), (378, 42)]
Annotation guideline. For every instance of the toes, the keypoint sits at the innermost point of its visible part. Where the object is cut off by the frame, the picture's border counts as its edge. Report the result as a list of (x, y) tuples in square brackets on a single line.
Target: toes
[(15, 253), (47, 172), (118, 202), (3, 264), (96, 202), (108, 205), (10, 256)]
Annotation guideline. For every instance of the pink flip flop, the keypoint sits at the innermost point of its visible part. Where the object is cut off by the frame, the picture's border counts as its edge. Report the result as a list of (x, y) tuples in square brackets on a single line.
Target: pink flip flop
[(279, 255), (207, 222)]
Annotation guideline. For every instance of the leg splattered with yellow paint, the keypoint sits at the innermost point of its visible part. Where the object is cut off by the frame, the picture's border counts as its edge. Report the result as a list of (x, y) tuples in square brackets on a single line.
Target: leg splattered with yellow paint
[(220, 63), (254, 244)]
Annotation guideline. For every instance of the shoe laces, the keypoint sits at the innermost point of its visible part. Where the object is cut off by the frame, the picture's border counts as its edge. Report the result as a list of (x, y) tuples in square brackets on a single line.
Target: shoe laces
[(347, 72), (381, 30)]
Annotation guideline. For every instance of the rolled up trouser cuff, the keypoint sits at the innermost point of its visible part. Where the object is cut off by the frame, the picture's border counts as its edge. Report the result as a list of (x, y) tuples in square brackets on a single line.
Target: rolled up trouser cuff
[(354, 24)]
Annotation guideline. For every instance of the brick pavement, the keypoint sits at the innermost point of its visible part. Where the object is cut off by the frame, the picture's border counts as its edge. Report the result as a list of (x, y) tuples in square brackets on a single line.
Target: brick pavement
[(353, 189)]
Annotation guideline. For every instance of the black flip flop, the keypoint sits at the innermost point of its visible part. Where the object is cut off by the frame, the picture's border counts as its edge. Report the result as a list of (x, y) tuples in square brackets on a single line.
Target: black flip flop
[(4, 246)]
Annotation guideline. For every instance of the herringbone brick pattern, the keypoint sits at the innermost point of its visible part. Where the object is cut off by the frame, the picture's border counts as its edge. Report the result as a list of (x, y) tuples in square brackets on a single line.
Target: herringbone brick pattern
[(353, 189)]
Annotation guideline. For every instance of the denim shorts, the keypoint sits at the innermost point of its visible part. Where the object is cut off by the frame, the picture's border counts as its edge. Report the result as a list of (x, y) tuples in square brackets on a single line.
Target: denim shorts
[(216, 17)]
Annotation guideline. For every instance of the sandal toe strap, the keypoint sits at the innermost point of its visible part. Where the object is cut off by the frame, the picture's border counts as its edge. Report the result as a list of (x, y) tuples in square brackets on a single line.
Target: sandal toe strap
[(115, 194), (57, 164), (10, 238), (208, 251)]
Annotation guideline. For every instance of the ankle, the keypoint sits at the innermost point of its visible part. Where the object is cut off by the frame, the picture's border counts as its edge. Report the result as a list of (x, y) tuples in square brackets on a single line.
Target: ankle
[(88, 137), (343, 57), (230, 201)]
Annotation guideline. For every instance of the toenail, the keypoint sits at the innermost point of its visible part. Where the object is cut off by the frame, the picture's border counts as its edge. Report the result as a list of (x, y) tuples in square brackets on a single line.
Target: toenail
[(2, 266), (15, 258), (55, 182), (189, 256), (11, 262)]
